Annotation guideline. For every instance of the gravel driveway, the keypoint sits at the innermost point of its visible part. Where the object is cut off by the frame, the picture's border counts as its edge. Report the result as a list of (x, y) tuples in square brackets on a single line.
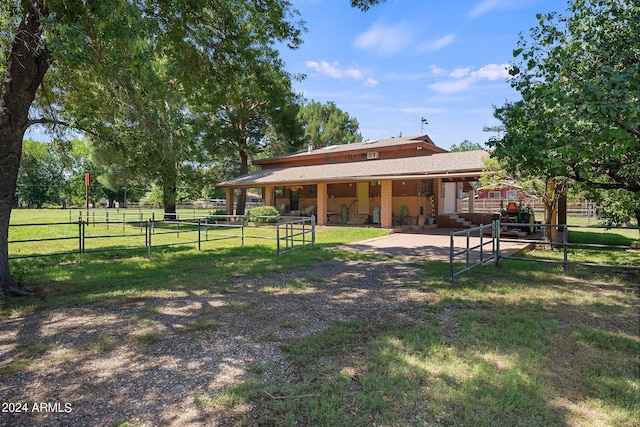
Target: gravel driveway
[(149, 361)]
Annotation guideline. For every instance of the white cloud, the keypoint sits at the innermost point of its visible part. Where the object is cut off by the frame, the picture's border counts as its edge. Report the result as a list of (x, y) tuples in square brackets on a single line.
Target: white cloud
[(336, 71), (492, 72), (371, 82), (384, 40), (460, 72), (486, 6), (438, 44), (462, 79), (435, 70)]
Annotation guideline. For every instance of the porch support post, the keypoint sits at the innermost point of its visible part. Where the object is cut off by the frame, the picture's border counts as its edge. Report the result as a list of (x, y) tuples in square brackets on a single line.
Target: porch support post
[(459, 197), (267, 195), (438, 202), (386, 208), (229, 201), (322, 203)]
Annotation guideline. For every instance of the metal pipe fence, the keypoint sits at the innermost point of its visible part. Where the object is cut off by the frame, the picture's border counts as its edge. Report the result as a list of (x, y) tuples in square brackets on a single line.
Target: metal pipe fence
[(483, 255), (111, 235), (298, 233), (564, 246)]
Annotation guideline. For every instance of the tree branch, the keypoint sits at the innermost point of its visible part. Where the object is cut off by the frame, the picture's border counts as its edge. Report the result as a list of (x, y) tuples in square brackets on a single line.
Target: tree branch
[(56, 122), (632, 131)]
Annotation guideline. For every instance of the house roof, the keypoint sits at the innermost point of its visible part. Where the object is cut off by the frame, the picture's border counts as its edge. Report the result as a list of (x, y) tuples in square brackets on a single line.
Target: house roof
[(464, 164), (422, 140)]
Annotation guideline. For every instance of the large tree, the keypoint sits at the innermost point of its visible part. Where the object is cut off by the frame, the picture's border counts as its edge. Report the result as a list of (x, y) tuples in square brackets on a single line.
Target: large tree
[(579, 118), (326, 124), (259, 111), (50, 47)]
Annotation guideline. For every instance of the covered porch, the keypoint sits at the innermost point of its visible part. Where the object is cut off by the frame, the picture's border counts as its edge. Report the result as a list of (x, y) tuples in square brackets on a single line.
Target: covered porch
[(385, 203), (385, 193)]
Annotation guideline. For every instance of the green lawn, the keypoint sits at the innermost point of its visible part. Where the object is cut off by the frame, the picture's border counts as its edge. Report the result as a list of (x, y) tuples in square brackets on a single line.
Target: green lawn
[(519, 344)]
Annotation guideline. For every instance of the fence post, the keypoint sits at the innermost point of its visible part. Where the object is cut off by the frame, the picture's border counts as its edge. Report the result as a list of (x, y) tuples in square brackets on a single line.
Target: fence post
[(565, 244), (313, 230), (199, 233), (451, 248), (482, 243), (497, 240), (278, 237), (468, 251), (148, 228), (80, 234)]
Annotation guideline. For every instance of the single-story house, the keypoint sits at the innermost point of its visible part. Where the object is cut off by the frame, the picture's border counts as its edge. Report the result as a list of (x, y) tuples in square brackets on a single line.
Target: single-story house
[(396, 181)]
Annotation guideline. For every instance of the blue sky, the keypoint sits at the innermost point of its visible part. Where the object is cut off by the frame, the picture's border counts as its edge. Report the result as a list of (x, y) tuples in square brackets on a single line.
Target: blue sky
[(403, 60), (407, 59)]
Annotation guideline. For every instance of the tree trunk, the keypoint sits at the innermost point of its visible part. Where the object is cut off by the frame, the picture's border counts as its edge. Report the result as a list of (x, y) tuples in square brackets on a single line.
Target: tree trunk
[(169, 194), (26, 66), (241, 202)]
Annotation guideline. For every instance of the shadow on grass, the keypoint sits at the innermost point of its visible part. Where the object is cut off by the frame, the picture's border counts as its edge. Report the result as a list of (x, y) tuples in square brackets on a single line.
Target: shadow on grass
[(514, 345), (488, 350)]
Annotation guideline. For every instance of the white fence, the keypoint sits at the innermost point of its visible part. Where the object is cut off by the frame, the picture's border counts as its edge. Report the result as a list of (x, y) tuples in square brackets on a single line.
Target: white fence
[(585, 209)]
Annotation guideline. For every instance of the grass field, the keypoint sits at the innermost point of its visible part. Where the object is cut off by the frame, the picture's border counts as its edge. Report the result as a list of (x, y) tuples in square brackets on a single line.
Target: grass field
[(521, 344)]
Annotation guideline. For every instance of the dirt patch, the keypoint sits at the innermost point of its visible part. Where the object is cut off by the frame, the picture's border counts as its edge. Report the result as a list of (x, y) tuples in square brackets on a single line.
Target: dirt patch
[(151, 361)]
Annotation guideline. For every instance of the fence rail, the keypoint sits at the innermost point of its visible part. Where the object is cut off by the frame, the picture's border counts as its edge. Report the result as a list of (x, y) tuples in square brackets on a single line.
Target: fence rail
[(298, 233), (497, 254), (469, 248), (586, 209), (109, 234), (564, 246)]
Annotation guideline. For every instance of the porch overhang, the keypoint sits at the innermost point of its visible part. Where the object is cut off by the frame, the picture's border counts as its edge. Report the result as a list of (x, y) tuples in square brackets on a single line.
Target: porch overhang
[(459, 166)]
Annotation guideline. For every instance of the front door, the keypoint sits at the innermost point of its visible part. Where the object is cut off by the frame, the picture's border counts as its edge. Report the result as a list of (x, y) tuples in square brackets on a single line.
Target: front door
[(449, 197), (363, 197), (294, 200)]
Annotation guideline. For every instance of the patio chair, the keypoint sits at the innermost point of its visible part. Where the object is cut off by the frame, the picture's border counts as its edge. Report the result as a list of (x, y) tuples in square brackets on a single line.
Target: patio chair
[(309, 210), (402, 217)]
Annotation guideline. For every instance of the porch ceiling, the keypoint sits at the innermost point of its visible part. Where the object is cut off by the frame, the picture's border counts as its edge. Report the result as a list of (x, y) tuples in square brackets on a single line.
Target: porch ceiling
[(462, 165)]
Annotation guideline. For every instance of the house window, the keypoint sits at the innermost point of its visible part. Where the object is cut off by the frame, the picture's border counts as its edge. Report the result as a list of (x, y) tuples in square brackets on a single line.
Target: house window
[(363, 156), (329, 159), (495, 195), (427, 187), (512, 194), (352, 156)]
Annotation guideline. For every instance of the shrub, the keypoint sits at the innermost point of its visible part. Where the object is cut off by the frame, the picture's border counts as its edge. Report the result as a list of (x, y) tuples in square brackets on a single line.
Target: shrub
[(264, 215)]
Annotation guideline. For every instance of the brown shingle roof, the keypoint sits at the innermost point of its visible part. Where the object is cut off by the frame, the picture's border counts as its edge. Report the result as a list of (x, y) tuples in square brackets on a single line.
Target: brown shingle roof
[(358, 146), (453, 165)]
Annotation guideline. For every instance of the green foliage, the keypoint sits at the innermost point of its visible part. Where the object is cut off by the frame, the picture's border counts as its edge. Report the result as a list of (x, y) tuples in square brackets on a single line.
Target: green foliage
[(41, 175), (466, 145), (364, 5), (326, 124), (264, 215), (617, 207), (579, 117)]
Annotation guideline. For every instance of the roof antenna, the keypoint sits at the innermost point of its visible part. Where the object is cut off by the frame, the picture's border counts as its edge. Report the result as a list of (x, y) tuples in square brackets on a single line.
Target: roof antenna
[(423, 122)]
